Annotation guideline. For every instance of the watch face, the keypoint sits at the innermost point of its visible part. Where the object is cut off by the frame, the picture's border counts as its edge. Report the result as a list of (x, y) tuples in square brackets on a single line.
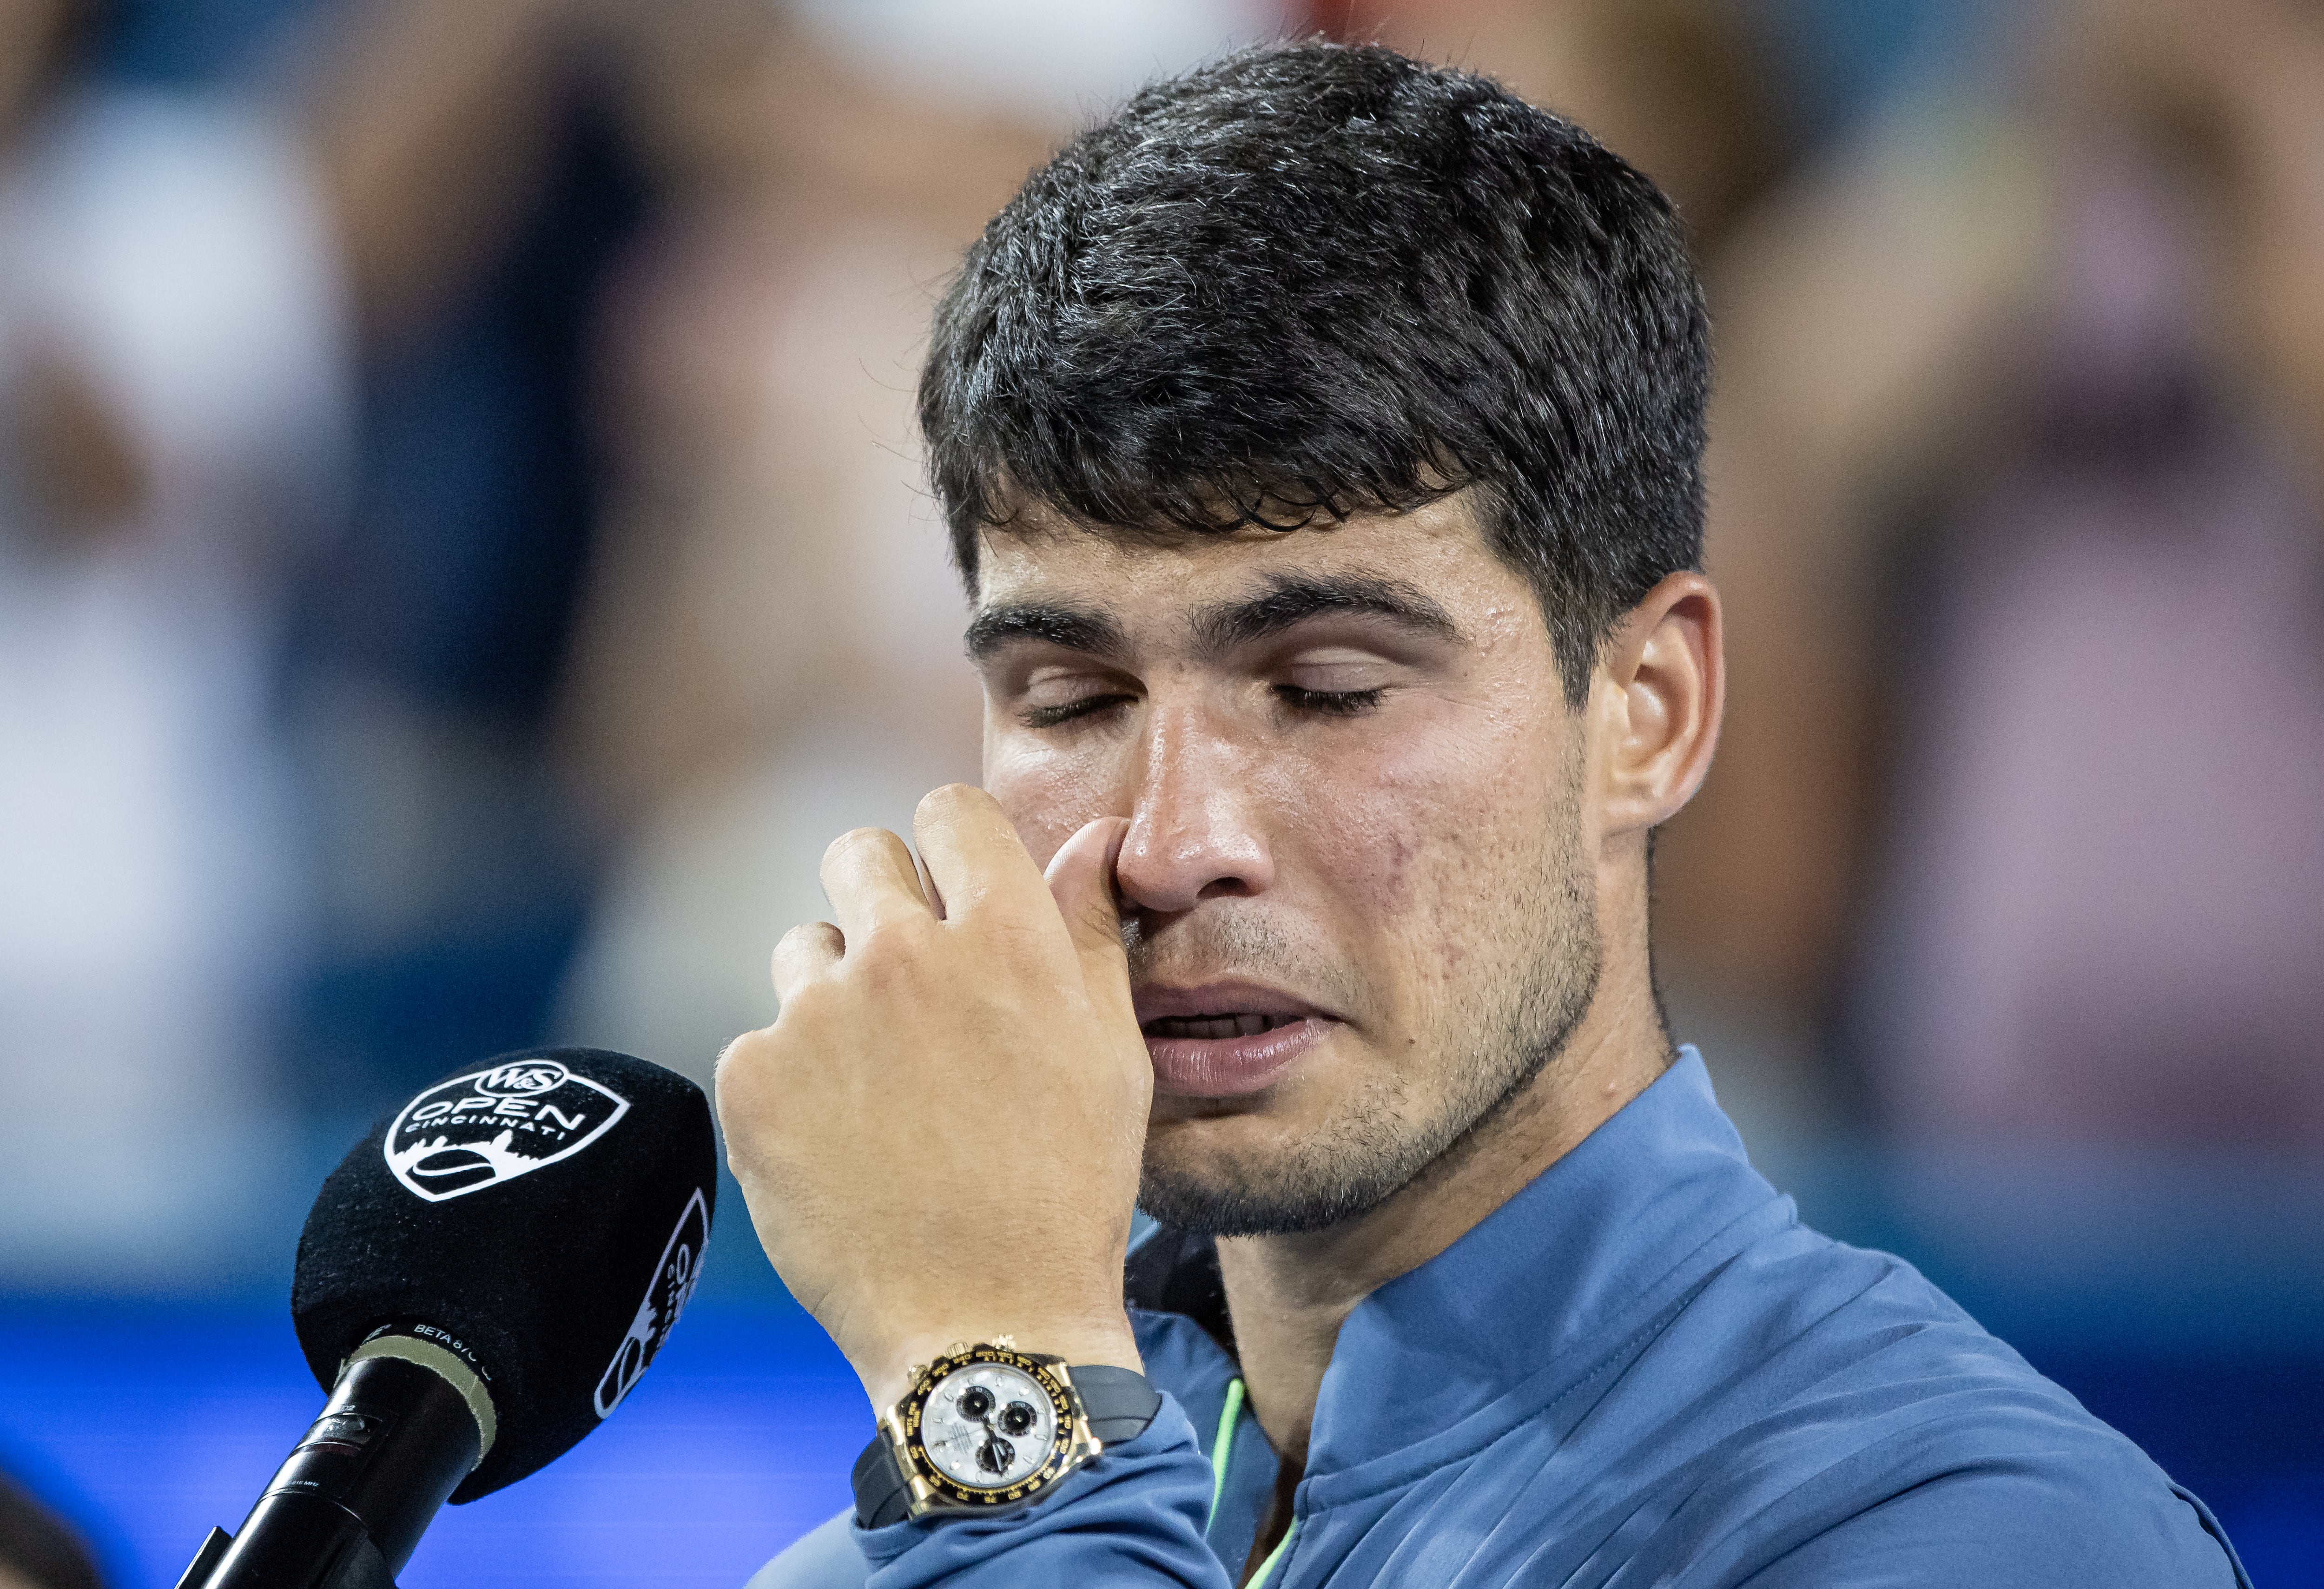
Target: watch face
[(988, 1426)]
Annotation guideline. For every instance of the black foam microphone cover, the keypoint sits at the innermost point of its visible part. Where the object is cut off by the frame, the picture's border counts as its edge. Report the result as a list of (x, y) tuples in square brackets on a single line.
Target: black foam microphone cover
[(542, 1216)]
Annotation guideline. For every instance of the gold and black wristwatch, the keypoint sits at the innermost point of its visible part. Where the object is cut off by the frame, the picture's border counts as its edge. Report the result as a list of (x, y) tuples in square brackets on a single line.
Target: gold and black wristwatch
[(987, 1428)]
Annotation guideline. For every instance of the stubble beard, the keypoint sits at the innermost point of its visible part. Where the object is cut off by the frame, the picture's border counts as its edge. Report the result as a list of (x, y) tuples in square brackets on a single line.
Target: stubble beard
[(1378, 1141)]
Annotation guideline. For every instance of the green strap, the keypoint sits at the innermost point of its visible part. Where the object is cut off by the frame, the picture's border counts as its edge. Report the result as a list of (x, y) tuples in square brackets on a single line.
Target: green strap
[(1223, 1445), (1266, 1567)]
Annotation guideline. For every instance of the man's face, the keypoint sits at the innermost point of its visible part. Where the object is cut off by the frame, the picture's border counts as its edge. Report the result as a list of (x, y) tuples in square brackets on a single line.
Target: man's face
[(1357, 887)]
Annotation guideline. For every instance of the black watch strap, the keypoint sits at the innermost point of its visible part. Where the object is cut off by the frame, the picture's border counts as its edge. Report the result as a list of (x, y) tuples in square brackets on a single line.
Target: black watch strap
[(1118, 1402), (881, 1495)]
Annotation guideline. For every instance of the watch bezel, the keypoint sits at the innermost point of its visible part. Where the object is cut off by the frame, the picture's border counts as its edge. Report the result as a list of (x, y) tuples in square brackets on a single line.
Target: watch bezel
[(931, 1487)]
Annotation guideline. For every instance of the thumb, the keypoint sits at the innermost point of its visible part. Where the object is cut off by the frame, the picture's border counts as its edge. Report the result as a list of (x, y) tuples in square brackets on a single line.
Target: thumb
[(1080, 880)]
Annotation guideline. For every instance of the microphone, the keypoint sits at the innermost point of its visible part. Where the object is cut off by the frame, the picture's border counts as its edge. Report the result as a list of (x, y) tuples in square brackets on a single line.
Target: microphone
[(479, 1284)]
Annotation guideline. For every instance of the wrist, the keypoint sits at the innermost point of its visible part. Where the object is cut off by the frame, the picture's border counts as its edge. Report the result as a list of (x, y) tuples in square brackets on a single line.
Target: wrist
[(888, 1373)]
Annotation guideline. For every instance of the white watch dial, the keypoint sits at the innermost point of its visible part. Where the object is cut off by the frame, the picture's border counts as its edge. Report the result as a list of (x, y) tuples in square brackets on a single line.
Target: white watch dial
[(988, 1426)]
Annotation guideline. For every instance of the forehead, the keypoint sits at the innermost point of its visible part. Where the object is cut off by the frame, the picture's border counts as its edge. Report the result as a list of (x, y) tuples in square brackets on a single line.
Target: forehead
[(1146, 582)]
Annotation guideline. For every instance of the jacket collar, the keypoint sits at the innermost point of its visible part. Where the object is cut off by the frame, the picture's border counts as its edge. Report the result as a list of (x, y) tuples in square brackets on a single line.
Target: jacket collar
[(1556, 1277)]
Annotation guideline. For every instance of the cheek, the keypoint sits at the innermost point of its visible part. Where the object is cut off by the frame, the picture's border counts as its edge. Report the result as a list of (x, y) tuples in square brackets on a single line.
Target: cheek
[(1425, 832), (1048, 795)]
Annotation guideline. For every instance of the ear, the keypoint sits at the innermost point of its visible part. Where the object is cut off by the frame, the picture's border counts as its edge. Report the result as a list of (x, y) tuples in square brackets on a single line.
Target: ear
[(1660, 686)]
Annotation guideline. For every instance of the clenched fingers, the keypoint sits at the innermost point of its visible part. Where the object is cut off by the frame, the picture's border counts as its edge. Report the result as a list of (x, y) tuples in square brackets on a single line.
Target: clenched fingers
[(870, 878), (973, 855), (805, 952)]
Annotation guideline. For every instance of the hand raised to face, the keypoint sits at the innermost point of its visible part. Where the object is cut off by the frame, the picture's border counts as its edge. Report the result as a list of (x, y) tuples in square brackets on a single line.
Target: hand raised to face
[(939, 1136)]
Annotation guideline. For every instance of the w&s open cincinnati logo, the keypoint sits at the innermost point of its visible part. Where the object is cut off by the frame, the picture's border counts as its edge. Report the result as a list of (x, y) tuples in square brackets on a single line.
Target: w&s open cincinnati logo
[(666, 1294), (478, 1130)]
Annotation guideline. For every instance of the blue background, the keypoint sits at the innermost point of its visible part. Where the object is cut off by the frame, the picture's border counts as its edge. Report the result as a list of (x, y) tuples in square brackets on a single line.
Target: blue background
[(2196, 1328)]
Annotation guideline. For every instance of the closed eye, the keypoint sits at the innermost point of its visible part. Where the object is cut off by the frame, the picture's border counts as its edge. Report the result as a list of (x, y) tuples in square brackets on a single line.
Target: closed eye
[(1066, 711), (1331, 703)]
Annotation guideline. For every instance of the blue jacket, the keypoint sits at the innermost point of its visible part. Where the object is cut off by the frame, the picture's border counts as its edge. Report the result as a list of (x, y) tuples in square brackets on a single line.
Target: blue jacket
[(1641, 1370)]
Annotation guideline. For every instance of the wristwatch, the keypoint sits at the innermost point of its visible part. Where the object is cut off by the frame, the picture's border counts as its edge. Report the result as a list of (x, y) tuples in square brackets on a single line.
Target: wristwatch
[(987, 1428)]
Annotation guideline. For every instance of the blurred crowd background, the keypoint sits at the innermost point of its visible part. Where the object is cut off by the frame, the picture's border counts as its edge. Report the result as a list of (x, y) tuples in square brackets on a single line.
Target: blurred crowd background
[(462, 556)]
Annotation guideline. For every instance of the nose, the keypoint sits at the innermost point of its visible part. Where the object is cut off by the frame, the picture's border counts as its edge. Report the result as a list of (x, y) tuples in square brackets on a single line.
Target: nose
[(1193, 832)]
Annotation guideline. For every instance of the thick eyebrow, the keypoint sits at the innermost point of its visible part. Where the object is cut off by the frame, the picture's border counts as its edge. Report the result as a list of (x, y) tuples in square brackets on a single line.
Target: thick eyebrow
[(1292, 598), (1080, 629)]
